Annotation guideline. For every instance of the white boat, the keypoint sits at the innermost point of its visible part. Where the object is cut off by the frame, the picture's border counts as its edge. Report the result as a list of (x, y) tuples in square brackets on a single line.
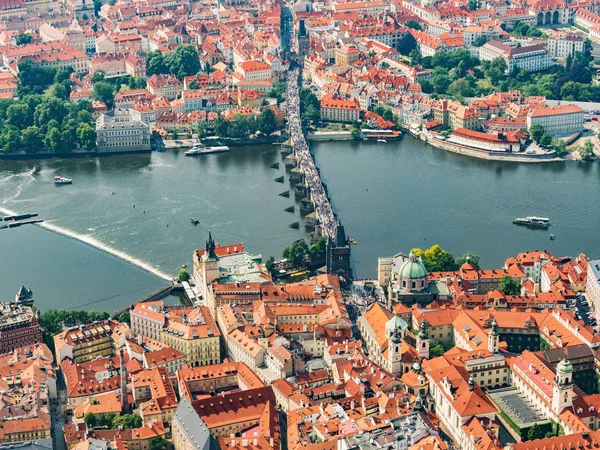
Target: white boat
[(62, 180), (201, 149), (381, 140)]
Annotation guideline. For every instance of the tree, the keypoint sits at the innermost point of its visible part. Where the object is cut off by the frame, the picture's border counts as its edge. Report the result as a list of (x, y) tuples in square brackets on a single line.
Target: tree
[(97, 6), (435, 349), (86, 136), (23, 38), (439, 260), (90, 420), (127, 421), (441, 83), (124, 317), (32, 139), (545, 140), (10, 140), (413, 24), (587, 152), (316, 252), (104, 92), (221, 127), (18, 115), (560, 147), (51, 108), (415, 57), (460, 88), (201, 129), (535, 432), (266, 121), (270, 264), (99, 75), (183, 275), (480, 41), (158, 443), (536, 131), (296, 253), (473, 260), (508, 286), (406, 44), (473, 5), (183, 61), (155, 63), (59, 91), (312, 114), (193, 85)]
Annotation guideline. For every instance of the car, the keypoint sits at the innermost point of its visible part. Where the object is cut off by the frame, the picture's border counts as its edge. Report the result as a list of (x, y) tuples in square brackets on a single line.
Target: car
[(595, 119)]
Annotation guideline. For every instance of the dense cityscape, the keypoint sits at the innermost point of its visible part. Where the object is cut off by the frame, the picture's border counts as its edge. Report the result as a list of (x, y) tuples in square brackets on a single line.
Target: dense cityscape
[(300, 351)]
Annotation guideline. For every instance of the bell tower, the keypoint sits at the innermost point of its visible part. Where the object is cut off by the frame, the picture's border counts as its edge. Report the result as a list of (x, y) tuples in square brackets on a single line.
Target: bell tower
[(494, 338), (423, 340), (562, 392), (395, 353)]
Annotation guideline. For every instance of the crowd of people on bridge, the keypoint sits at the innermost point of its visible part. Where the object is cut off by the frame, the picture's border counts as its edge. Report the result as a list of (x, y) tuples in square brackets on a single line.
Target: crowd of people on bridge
[(305, 160)]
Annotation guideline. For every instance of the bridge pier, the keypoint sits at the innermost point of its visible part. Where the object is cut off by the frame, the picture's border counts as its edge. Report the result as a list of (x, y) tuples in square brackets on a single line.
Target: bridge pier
[(296, 175), (306, 205), (290, 162), (301, 191)]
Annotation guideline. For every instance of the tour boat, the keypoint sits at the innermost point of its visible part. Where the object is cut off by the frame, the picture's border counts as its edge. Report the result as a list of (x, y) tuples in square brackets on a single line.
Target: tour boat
[(381, 140), (533, 222), (201, 149), (62, 180)]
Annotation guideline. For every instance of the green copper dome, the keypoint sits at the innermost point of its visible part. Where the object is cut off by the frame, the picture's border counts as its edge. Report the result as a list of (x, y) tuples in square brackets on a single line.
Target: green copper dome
[(413, 268), (565, 366)]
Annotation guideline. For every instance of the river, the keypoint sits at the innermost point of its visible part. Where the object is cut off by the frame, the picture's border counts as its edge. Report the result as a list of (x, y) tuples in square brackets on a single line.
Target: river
[(390, 197)]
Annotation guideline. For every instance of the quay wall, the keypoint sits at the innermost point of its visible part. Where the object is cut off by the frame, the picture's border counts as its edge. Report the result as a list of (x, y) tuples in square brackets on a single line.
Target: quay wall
[(329, 136)]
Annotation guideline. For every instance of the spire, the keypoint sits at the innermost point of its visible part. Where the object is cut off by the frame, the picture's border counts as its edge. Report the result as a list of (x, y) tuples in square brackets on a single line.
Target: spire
[(396, 336), (419, 403), (210, 246), (494, 331), (424, 330), (471, 384)]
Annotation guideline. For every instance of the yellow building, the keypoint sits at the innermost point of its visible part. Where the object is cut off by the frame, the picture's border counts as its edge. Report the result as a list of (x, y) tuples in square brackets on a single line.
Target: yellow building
[(88, 342), (193, 332), (21, 430)]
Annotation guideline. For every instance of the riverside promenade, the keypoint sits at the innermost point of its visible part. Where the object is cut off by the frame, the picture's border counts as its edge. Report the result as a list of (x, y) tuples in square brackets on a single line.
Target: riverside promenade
[(312, 179)]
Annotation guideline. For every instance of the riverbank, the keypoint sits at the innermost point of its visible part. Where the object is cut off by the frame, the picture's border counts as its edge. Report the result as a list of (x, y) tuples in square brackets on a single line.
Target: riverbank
[(487, 155)]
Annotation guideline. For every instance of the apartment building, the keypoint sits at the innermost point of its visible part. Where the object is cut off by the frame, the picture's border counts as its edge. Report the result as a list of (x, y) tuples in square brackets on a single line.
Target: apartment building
[(88, 342), (559, 120)]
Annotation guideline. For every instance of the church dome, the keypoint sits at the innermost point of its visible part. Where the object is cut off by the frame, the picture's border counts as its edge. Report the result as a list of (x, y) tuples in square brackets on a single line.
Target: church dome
[(394, 323), (564, 366), (413, 268)]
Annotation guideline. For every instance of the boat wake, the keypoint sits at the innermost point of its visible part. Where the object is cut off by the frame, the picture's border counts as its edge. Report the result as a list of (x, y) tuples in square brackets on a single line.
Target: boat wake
[(93, 242)]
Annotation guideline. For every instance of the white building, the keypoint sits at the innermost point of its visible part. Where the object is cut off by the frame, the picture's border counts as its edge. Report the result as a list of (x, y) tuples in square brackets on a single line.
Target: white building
[(531, 58), (561, 44), (559, 120), (592, 289), (122, 130)]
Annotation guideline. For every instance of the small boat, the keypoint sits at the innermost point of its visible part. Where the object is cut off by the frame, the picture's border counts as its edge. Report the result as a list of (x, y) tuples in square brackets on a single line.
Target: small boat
[(533, 222), (552, 237), (382, 140), (61, 180), (353, 241), (195, 221)]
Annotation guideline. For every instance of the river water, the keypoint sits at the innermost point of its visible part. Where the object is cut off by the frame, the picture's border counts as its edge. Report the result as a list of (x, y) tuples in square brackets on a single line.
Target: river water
[(390, 197)]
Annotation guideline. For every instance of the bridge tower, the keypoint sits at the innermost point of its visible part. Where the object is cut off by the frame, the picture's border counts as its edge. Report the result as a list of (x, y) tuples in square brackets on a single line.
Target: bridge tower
[(338, 255)]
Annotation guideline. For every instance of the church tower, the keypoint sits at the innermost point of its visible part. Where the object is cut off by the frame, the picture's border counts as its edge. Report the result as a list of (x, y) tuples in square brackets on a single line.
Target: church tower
[(395, 353), (562, 392), (494, 338), (208, 266), (423, 340)]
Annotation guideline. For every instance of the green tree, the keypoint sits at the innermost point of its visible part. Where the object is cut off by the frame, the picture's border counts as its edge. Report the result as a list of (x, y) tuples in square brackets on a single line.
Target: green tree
[(32, 139), (435, 349), (23, 38), (270, 264), (183, 61), (183, 275), (201, 129), (296, 253), (316, 252), (158, 443), (90, 420), (473, 5), (536, 131), (104, 92), (86, 137), (97, 6), (508, 286), (18, 115), (413, 24), (51, 108), (99, 75), (473, 260), (10, 140), (560, 147), (535, 432), (415, 57), (266, 121), (587, 152), (155, 63), (480, 41), (193, 85), (127, 421), (59, 91), (441, 83), (437, 260), (406, 44), (460, 88), (312, 114), (124, 317), (221, 127), (546, 140)]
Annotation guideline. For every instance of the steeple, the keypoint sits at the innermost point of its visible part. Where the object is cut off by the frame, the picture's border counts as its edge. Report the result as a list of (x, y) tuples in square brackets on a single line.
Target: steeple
[(562, 390), (423, 340), (395, 352), (210, 247), (494, 338)]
